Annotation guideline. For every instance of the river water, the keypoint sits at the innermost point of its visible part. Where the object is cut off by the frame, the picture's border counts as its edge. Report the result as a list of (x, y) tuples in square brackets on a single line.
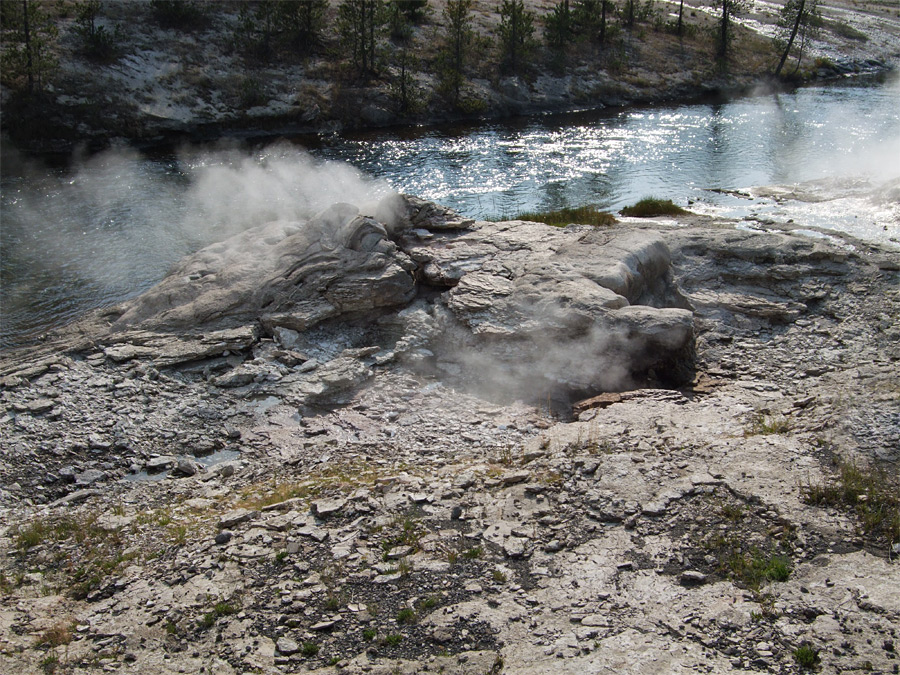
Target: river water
[(104, 228)]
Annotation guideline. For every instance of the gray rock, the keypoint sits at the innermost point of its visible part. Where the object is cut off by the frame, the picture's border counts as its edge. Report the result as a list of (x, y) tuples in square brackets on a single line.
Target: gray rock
[(324, 508), (513, 477), (89, 477), (162, 463), (187, 466), (287, 646), (236, 517), (692, 578), (286, 337), (290, 275), (398, 552), (74, 497)]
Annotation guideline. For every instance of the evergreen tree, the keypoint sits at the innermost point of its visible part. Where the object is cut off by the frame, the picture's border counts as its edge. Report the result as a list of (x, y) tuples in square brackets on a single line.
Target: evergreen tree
[(179, 14), (457, 38), (797, 17), (590, 19), (302, 23), (28, 37), (406, 94), (255, 32), (98, 43), (358, 23), (730, 8), (516, 32), (628, 14), (558, 29)]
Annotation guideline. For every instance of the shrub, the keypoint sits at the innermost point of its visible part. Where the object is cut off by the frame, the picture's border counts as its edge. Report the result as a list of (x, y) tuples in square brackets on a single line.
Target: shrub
[(219, 610)]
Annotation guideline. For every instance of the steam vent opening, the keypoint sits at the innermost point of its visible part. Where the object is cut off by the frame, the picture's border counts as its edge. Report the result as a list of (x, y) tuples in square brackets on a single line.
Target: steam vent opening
[(510, 310)]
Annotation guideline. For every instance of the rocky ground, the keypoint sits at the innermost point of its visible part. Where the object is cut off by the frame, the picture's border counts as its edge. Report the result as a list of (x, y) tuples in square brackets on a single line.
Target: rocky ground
[(319, 476)]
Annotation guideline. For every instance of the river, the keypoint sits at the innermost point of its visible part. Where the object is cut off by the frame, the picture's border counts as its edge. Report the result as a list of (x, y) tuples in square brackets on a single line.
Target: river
[(104, 228)]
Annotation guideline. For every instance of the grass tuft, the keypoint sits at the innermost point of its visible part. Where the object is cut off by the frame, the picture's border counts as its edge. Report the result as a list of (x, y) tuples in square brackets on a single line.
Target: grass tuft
[(219, 610), (582, 215), (806, 656), (650, 207), (869, 492), (763, 425), (407, 616)]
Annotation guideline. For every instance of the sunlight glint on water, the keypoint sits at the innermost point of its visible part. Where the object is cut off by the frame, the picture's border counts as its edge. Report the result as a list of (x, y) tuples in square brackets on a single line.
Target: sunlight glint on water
[(72, 241)]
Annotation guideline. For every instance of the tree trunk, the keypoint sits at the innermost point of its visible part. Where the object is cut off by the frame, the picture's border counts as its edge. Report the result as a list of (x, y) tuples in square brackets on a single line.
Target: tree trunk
[(723, 30), (29, 62), (790, 43), (680, 20), (602, 22)]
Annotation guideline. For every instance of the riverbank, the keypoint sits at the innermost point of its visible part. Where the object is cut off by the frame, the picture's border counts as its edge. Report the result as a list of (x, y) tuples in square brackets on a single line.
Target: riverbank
[(168, 86), (346, 484)]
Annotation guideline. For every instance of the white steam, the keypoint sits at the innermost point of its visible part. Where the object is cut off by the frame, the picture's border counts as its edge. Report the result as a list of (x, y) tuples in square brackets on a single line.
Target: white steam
[(111, 225), (231, 190)]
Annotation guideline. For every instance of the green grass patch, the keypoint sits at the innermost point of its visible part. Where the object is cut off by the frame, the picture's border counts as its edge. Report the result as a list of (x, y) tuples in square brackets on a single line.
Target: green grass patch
[(219, 610), (869, 492), (393, 640), (806, 656), (86, 554), (582, 215), (650, 207), (748, 568), (764, 425), (407, 616), (429, 603), (473, 553), (309, 649)]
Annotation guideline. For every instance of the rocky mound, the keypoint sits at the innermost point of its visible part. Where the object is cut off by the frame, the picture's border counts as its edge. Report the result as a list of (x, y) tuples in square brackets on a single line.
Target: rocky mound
[(570, 311)]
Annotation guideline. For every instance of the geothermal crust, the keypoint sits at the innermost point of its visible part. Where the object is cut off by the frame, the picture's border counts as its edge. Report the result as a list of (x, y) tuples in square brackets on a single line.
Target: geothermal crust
[(349, 445)]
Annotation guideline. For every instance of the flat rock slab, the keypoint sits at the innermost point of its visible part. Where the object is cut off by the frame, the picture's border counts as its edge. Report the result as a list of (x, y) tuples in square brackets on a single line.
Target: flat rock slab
[(324, 508)]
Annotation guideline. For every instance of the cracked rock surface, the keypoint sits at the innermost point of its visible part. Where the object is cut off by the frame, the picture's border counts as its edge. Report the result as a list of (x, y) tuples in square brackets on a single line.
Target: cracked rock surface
[(301, 483)]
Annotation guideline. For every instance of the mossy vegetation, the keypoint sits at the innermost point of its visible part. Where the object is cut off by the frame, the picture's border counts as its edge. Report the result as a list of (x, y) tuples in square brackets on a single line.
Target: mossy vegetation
[(581, 215), (651, 207)]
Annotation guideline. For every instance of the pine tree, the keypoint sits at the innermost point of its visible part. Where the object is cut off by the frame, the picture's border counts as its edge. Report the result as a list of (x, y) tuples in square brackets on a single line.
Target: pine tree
[(457, 38), (28, 37), (797, 17), (516, 32), (359, 22)]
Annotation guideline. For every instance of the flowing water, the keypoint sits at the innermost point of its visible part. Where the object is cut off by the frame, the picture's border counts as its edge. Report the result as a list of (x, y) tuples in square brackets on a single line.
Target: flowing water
[(104, 228)]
